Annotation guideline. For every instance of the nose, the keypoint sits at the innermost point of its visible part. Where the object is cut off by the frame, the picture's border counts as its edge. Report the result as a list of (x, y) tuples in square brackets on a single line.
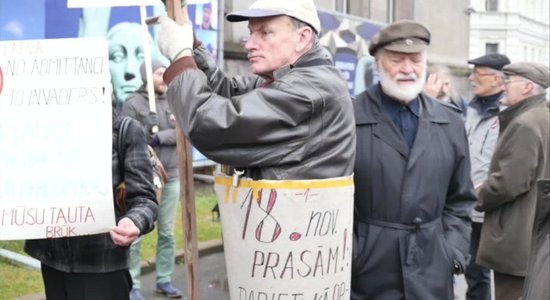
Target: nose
[(132, 68), (471, 77), (407, 67), (250, 43)]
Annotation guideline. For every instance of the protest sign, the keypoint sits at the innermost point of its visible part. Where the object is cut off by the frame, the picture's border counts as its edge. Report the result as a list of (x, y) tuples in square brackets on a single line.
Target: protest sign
[(287, 239), (111, 3), (55, 138)]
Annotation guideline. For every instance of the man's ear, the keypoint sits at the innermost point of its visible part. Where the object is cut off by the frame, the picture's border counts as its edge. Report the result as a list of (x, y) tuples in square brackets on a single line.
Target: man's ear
[(528, 88), (304, 43), (497, 81)]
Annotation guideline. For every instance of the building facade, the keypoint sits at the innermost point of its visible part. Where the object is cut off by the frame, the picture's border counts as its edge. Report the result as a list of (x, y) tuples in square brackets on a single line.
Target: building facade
[(518, 28), (448, 22)]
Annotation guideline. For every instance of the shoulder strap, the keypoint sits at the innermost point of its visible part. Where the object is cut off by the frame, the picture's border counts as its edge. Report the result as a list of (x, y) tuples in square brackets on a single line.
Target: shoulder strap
[(120, 140), (120, 190)]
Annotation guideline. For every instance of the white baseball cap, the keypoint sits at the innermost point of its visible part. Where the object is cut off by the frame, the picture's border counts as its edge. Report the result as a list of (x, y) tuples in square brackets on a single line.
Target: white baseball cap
[(303, 10)]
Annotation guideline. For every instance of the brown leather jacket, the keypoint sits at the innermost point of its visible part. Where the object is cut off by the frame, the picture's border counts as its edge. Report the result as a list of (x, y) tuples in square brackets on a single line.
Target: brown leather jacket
[(300, 126)]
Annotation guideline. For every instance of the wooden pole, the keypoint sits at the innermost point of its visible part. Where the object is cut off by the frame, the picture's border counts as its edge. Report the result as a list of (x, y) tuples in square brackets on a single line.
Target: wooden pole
[(178, 13), (148, 66), (187, 198)]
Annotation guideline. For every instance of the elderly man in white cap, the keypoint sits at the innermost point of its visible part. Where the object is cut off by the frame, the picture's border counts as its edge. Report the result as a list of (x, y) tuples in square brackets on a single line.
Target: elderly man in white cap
[(413, 192)]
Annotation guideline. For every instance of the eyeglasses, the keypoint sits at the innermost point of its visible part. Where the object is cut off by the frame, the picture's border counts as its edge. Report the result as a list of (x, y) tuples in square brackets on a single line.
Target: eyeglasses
[(509, 81)]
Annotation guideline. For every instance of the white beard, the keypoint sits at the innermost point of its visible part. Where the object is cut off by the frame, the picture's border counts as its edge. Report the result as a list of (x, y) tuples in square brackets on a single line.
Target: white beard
[(402, 93)]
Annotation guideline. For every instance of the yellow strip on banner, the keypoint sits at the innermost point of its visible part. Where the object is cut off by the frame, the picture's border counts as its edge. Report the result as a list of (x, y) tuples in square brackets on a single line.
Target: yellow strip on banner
[(285, 184)]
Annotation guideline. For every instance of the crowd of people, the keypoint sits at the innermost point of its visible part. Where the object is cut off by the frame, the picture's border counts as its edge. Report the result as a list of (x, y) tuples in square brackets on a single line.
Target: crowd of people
[(443, 185)]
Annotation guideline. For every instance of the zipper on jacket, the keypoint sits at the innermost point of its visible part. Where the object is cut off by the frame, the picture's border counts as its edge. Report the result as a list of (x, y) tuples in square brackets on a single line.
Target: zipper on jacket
[(484, 139)]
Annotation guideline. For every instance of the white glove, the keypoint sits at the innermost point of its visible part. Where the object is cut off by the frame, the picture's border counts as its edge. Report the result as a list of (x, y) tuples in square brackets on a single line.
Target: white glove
[(175, 40)]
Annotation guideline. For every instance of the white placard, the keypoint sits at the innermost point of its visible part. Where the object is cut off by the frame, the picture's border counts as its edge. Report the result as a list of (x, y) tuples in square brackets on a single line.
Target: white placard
[(287, 239), (111, 3), (55, 138)]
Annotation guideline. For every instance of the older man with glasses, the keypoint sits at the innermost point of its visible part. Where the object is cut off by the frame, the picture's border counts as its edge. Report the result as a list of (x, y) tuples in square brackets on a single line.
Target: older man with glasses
[(508, 196), (482, 127)]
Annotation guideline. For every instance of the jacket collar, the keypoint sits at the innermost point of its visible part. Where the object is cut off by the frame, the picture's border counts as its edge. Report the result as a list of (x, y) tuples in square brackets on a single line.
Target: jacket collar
[(507, 115), (370, 112), (487, 106), (315, 54), (393, 106)]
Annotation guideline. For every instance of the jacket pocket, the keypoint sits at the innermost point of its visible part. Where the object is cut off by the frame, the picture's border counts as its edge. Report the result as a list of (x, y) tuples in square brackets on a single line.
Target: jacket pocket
[(446, 251)]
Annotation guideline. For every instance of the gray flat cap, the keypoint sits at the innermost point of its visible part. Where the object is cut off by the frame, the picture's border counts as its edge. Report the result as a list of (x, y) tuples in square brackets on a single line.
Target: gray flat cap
[(537, 73)]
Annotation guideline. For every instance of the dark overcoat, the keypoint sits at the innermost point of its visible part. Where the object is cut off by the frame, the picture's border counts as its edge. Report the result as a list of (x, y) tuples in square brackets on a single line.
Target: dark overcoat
[(412, 206)]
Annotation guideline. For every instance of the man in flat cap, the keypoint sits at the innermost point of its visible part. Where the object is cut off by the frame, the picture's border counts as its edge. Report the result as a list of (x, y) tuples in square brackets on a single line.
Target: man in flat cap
[(487, 81), (508, 196), (413, 192), (291, 120)]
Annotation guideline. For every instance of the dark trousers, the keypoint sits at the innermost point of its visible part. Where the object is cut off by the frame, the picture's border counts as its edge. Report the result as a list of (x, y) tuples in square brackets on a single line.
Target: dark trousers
[(477, 277), (61, 285)]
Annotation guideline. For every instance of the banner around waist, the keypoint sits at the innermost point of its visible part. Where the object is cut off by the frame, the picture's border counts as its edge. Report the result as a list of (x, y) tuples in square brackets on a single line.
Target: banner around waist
[(289, 238)]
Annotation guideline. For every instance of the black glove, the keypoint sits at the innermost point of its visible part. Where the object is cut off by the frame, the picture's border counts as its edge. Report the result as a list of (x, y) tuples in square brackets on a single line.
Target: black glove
[(154, 141), (151, 121)]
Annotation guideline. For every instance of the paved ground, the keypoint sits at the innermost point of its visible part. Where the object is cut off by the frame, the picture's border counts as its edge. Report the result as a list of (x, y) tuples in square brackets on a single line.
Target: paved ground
[(212, 283)]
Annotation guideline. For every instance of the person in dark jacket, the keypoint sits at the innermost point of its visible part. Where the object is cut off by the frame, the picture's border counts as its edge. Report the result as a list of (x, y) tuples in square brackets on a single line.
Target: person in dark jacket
[(509, 195), (163, 142), (96, 266), (413, 192)]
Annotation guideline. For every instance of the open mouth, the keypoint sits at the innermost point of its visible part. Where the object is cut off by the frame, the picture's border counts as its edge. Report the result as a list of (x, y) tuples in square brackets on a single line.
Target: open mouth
[(406, 81)]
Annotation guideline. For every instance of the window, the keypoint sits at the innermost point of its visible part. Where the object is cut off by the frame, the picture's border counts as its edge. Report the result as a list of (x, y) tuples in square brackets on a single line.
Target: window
[(491, 48), (341, 6), (491, 5)]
